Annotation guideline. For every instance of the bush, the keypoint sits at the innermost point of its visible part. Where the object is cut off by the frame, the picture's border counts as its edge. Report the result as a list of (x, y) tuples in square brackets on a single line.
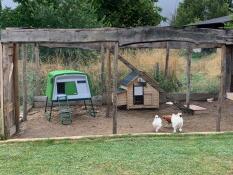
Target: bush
[(199, 55), (201, 83), (169, 83)]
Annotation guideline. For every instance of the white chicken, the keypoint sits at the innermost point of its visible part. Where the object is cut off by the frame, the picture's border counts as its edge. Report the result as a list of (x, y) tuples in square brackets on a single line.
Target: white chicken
[(157, 123), (177, 122)]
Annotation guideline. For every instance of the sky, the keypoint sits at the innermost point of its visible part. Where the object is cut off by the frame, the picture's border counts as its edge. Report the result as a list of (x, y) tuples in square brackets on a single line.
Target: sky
[(168, 6), (8, 3)]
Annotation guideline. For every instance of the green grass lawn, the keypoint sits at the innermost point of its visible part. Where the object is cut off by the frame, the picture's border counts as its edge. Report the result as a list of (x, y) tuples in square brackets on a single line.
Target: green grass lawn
[(177, 154)]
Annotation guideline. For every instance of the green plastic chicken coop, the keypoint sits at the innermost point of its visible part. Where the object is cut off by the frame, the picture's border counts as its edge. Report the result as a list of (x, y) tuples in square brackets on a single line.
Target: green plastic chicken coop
[(68, 85)]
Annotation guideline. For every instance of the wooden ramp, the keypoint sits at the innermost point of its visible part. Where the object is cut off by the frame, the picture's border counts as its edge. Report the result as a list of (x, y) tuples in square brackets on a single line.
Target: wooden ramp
[(196, 109), (230, 95), (183, 108)]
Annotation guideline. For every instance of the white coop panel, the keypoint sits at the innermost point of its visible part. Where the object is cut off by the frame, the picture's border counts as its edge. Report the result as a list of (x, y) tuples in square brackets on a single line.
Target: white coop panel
[(81, 84)]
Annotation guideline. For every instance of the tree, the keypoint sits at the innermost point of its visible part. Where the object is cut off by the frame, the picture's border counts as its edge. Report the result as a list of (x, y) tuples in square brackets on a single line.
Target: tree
[(190, 11), (128, 13), (51, 14), (230, 3), (54, 14)]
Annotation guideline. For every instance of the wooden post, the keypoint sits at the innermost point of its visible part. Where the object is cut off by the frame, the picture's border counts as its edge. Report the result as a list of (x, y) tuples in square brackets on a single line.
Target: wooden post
[(16, 84), (109, 82), (188, 75), (37, 61), (102, 76), (167, 60), (7, 91), (24, 57), (157, 70), (2, 126), (222, 88), (115, 78), (229, 64)]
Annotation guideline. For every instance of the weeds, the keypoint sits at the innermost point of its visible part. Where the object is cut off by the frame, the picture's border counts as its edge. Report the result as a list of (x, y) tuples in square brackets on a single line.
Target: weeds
[(205, 71)]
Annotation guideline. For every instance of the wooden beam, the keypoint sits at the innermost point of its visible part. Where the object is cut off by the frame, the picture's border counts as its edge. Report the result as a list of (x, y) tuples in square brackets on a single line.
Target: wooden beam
[(143, 74), (108, 83), (6, 88), (128, 64), (172, 45), (125, 36), (188, 75), (24, 53), (7, 98), (16, 84), (37, 55), (37, 62), (159, 45), (102, 74), (2, 121), (85, 46), (229, 67), (221, 89), (167, 59), (115, 79)]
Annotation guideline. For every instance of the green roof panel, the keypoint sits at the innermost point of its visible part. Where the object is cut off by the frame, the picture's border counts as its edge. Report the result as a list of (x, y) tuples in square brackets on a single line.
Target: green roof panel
[(51, 76)]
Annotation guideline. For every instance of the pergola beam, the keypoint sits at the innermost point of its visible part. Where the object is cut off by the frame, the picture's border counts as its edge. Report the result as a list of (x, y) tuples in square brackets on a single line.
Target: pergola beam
[(124, 36), (158, 45), (173, 45)]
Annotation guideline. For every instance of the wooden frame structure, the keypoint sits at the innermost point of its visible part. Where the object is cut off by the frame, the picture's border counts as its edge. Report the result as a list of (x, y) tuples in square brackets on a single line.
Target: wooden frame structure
[(110, 39)]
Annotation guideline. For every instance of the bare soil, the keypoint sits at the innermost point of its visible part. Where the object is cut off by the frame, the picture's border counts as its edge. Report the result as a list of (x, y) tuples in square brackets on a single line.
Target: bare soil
[(132, 121)]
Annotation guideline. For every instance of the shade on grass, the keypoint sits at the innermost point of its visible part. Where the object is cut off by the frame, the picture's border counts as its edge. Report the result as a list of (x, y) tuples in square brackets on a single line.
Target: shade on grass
[(129, 155)]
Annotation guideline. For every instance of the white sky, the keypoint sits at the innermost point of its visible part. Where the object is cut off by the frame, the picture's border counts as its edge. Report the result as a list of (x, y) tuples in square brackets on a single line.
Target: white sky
[(8, 3), (168, 7)]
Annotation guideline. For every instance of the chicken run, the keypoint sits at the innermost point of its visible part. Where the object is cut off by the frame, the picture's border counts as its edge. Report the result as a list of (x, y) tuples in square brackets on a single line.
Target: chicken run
[(132, 121), (196, 115)]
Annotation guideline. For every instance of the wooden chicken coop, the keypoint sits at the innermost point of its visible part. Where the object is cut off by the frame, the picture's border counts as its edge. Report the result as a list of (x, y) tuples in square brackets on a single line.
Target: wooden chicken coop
[(137, 93)]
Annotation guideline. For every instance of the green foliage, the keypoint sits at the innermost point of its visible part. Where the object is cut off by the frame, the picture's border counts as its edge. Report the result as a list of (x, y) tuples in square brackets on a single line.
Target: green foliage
[(176, 154), (51, 14), (203, 54), (169, 83), (190, 11), (198, 55), (229, 25), (81, 13), (230, 2), (96, 85), (127, 13), (68, 56), (201, 83)]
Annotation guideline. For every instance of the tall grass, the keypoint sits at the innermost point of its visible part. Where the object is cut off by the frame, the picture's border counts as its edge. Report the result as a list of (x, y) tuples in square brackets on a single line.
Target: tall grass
[(205, 71)]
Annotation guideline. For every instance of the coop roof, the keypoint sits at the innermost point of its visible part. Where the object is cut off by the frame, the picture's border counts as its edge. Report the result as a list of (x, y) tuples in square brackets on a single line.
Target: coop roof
[(136, 73), (53, 74), (63, 72), (129, 78), (213, 23), (120, 90)]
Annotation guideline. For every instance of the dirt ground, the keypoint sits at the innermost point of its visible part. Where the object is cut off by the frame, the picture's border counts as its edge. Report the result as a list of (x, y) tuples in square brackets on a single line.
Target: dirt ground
[(133, 121)]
